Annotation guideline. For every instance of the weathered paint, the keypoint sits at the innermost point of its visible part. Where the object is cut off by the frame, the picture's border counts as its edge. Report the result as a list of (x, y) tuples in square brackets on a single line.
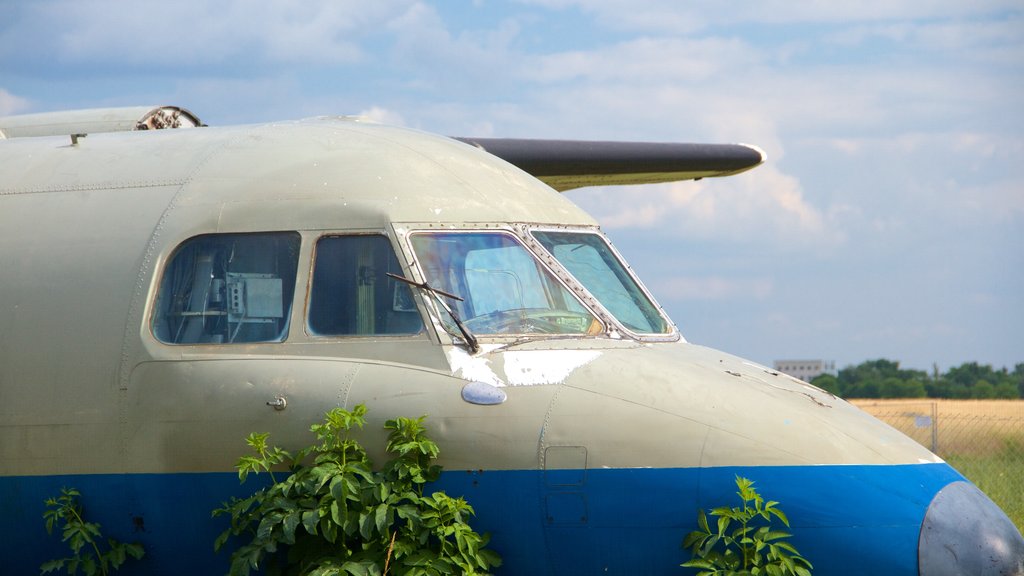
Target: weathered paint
[(525, 368), (473, 368)]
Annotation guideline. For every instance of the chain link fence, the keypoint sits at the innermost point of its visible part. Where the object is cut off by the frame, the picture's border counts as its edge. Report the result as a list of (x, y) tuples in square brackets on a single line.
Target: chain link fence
[(983, 439)]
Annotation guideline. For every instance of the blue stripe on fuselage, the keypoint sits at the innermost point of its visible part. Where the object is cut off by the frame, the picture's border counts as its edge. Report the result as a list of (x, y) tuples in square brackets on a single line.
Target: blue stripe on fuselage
[(845, 519)]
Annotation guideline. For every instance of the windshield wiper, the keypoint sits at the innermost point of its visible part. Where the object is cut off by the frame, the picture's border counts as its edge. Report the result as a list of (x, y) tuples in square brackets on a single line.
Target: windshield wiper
[(468, 336)]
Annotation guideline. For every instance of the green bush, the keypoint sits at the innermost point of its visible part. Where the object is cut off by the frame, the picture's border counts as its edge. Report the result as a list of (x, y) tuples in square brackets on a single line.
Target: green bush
[(752, 547), (338, 516), (84, 539)]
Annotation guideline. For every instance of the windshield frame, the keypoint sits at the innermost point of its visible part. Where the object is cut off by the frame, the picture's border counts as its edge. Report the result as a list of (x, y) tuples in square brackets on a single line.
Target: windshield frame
[(408, 231), (612, 327)]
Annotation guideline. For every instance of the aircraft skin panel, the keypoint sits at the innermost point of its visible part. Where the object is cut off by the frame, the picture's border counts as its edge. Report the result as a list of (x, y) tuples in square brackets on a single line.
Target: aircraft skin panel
[(715, 419), (751, 414), (597, 525), (69, 271), (101, 161), (409, 175)]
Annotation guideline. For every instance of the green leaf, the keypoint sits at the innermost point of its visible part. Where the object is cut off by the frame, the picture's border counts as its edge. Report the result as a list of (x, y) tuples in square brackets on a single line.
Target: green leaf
[(365, 525), (381, 518), (116, 555), (291, 522), (339, 488), (337, 513), (266, 527), (364, 568), (726, 511), (330, 570), (89, 566), (221, 540), (780, 515), (310, 518), (710, 543), (329, 530), (135, 550), (702, 521), (723, 525), (52, 565), (786, 546), (694, 539)]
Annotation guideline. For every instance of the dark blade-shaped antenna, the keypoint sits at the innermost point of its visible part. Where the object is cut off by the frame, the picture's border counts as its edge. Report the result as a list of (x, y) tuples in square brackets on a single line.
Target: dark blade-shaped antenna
[(568, 164)]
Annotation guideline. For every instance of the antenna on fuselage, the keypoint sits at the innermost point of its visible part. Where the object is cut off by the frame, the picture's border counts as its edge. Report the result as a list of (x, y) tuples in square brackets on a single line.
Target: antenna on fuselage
[(568, 164)]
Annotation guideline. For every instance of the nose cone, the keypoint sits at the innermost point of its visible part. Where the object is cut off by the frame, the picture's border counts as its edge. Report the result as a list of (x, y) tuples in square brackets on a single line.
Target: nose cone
[(966, 533)]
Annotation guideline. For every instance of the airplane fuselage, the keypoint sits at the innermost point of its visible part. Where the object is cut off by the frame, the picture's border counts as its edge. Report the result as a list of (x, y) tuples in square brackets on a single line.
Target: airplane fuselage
[(165, 294)]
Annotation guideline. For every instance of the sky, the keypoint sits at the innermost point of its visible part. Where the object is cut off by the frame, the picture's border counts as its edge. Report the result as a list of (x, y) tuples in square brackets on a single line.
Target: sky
[(888, 221)]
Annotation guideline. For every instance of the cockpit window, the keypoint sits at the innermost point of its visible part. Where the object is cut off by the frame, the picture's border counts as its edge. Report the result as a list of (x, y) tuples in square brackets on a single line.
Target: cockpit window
[(590, 259), (352, 294), (504, 288), (228, 288)]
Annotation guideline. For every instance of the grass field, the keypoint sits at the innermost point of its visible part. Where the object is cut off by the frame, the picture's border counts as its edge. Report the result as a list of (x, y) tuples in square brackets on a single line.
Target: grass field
[(983, 439)]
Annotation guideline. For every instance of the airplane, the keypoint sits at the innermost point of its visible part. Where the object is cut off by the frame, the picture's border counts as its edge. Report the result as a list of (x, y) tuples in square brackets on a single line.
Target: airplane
[(167, 288)]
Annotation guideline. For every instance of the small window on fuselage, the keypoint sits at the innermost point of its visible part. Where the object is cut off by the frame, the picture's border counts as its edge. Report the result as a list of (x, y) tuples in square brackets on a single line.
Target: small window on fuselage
[(352, 295), (228, 289)]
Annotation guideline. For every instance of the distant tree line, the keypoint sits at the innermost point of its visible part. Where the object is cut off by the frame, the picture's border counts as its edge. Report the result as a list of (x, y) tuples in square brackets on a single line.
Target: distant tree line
[(885, 379)]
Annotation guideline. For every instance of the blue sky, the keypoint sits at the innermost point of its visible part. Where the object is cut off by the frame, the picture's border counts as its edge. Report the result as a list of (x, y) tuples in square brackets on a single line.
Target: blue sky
[(888, 221)]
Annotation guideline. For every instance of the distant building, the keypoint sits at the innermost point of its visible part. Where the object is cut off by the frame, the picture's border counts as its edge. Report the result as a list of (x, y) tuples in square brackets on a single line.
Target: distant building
[(806, 370)]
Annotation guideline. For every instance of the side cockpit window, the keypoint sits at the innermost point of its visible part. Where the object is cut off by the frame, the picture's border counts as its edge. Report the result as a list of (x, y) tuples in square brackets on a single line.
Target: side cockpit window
[(352, 295), (228, 288)]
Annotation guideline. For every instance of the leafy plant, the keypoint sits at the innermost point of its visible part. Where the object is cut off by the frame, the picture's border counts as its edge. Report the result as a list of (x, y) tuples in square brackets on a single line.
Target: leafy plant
[(338, 516), (743, 542), (84, 539)]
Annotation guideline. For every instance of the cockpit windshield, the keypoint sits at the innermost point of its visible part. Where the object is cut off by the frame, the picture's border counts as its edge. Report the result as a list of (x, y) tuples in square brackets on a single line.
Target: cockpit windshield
[(590, 259), (504, 288)]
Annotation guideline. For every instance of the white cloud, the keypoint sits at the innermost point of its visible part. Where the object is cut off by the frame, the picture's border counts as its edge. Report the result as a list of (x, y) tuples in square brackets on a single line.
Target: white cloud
[(678, 17), (823, 11), (999, 201), (765, 207), (220, 101), (425, 45), (946, 175), (383, 116), (11, 104), (657, 15), (198, 34), (679, 288), (916, 31), (667, 59)]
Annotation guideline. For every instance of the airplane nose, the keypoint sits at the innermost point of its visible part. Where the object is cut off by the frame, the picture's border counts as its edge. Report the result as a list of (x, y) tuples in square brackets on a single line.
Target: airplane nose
[(965, 533)]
